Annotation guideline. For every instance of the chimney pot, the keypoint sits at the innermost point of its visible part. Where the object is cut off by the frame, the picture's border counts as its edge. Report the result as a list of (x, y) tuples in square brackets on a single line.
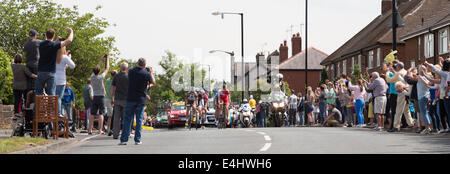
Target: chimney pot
[(296, 44)]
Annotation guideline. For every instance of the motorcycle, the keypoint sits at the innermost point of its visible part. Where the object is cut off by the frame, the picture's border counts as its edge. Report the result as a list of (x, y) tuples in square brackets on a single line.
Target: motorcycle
[(245, 116), (234, 119), (278, 114)]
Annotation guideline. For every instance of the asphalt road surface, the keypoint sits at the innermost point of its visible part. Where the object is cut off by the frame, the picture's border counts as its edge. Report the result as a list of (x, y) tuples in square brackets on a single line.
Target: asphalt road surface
[(267, 141)]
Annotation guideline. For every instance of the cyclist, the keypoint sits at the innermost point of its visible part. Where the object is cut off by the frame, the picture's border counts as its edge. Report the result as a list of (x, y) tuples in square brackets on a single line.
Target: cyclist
[(216, 103), (205, 106), (191, 101), (200, 102), (224, 99)]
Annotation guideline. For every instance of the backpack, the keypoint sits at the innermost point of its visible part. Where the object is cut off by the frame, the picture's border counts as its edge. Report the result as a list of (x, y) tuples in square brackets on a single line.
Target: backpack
[(301, 105)]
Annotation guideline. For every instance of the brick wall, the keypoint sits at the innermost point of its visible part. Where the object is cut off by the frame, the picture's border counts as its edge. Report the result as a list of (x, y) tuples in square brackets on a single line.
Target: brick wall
[(6, 112), (296, 79)]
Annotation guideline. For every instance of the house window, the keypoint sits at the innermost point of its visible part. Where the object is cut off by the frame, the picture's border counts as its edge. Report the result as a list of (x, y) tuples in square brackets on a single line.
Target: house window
[(359, 62), (443, 41), (429, 45), (338, 69), (370, 59), (378, 57), (419, 46), (353, 64), (344, 67), (332, 70)]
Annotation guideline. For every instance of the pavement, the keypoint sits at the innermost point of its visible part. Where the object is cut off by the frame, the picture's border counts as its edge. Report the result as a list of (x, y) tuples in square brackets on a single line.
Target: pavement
[(54, 145)]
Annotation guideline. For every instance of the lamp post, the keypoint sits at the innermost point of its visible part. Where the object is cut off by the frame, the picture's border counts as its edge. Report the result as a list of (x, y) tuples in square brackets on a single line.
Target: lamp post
[(209, 76), (306, 45), (222, 14)]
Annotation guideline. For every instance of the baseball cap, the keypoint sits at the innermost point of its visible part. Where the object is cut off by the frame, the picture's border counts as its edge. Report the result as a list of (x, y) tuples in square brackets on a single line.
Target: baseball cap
[(399, 64), (33, 33)]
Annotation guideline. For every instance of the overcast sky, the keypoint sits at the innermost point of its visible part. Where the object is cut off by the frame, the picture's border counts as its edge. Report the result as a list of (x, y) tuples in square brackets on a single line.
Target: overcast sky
[(147, 28)]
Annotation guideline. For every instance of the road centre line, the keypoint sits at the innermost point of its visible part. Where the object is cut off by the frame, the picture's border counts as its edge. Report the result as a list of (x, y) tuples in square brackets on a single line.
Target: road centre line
[(265, 147)]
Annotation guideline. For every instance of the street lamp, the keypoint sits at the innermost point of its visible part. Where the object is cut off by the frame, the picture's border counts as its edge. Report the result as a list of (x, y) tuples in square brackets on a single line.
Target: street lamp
[(209, 76), (222, 14)]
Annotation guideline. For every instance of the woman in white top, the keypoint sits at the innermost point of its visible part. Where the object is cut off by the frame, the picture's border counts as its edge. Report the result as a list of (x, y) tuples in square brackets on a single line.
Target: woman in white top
[(65, 61)]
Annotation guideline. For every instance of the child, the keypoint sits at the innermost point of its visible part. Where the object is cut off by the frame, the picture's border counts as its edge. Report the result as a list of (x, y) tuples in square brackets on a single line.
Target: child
[(333, 119), (316, 112)]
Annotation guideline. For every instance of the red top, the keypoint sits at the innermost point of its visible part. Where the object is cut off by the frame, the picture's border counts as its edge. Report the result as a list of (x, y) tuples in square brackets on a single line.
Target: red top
[(223, 95)]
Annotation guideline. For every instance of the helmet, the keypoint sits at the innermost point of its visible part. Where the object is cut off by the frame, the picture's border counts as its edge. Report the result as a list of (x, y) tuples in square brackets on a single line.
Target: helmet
[(251, 96), (245, 101), (280, 76), (202, 91)]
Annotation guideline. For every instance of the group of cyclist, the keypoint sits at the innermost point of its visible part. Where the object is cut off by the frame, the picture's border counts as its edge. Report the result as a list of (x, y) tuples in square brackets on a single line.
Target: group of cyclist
[(198, 99)]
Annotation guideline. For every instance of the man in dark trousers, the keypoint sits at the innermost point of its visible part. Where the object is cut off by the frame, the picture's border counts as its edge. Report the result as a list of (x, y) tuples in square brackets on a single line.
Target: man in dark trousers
[(31, 49), (138, 81), (119, 92)]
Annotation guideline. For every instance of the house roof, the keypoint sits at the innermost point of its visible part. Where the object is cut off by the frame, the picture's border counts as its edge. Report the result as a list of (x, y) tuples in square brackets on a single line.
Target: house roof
[(372, 34), (433, 12), (296, 62)]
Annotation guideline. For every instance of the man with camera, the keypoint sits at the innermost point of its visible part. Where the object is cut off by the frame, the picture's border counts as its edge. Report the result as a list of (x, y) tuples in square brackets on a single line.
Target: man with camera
[(48, 51)]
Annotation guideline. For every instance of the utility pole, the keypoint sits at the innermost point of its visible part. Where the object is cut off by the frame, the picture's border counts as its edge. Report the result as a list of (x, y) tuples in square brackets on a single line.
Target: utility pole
[(394, 25)]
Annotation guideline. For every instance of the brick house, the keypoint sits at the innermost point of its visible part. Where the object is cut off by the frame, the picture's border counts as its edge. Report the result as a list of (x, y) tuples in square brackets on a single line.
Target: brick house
[(369, 47), (293, 68)]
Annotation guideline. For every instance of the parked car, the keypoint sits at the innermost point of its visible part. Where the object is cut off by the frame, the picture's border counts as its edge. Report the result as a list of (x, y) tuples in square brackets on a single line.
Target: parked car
[(177, 115), (161, 119)]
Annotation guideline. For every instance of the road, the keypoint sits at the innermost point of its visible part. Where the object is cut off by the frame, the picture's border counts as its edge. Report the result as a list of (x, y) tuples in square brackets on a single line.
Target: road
[(267, 141)]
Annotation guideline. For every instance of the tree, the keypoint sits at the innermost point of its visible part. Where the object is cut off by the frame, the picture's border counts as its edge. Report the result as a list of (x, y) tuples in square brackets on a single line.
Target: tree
[(88, 46), (6, 92), (356, 73), (163, 93), (323, 76)]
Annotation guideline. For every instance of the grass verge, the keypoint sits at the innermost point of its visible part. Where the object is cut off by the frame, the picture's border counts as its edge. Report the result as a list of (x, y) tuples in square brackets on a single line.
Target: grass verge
[(8, 145)]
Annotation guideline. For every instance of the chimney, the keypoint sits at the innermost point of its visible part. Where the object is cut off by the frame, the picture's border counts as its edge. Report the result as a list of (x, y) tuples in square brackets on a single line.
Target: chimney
[(296, 44), (386, 5), (284, 51)]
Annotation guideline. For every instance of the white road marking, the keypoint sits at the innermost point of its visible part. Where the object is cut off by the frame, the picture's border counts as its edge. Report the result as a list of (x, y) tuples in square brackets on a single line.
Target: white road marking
[(265, 147), (267, 138), (262, 133)]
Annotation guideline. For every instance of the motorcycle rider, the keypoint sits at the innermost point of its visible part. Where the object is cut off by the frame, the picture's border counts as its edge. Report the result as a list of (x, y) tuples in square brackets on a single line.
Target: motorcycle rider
[(292, 108), (244, 105), (191, 101)]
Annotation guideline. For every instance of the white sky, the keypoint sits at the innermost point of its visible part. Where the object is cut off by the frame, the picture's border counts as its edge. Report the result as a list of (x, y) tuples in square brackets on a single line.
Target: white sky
[(146, 28)]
